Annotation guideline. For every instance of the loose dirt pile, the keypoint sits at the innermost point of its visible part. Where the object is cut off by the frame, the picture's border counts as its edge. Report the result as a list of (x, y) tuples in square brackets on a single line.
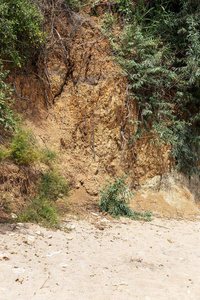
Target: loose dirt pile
[(101, 258)]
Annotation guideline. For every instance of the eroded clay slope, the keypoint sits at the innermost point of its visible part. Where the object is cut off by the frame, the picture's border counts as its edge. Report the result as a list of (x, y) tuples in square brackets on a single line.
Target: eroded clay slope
[(89, 110)]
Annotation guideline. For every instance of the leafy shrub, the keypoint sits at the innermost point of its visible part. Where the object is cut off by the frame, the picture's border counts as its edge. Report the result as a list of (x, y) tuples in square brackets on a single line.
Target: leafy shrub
[(159, 52), (20, 37), (40, 211), (20, 29), (115, 197), (185, 149), (48, 155), (43, 209), (22, 148), (52, 186), (4, 153), (7, 120)]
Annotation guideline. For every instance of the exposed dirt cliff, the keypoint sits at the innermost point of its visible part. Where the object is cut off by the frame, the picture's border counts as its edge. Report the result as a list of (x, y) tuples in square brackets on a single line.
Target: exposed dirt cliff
[(88, 111)]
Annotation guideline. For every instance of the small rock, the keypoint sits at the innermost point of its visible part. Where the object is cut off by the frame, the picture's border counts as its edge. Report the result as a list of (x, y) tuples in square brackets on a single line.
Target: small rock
[(50, 236), (20, 224), (14, 216), (39, 233), (31, 240), (71, 226), (105, 220)]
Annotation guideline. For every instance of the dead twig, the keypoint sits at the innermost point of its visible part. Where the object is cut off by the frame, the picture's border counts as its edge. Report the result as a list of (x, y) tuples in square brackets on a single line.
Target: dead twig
[(60, 39), (44, 283), (159, 225)]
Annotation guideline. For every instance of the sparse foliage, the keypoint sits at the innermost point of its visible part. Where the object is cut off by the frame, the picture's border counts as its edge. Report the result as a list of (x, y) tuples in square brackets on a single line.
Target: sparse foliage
[(53, 186), (7, 119), (22, 148), (20, 29), (158, 50), (48, 155), (115, 197), (42, 209)]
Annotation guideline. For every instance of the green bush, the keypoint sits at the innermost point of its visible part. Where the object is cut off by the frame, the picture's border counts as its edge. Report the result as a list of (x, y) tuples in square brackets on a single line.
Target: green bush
[(48, 156), (4, 153), (20, 29), (7, 119), (115, 198), (40, 211), (43, 208), (159, 52), (20, 36), (53, 186), (23, 148)]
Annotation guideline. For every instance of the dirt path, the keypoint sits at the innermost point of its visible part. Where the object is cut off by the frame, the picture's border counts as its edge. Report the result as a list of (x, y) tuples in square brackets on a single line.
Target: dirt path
[(101, 259)]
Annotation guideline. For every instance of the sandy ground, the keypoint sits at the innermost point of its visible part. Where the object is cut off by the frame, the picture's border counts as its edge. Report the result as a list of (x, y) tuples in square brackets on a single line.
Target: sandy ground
[(101, 258)]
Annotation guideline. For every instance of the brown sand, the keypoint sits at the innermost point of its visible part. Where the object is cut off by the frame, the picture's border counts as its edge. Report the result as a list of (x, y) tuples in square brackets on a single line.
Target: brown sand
[(101, 258)]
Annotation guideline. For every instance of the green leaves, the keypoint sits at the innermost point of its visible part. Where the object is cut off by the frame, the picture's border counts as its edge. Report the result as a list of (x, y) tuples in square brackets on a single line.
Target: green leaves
[(52, 185), (159, 51), (20, 29), (115, 197), (22, 148), (43, 209), (20, 36), (7, 119), (185, 148)]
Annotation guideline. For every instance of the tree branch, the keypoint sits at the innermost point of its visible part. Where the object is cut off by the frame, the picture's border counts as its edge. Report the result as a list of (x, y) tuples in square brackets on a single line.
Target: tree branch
[(23, 98)]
